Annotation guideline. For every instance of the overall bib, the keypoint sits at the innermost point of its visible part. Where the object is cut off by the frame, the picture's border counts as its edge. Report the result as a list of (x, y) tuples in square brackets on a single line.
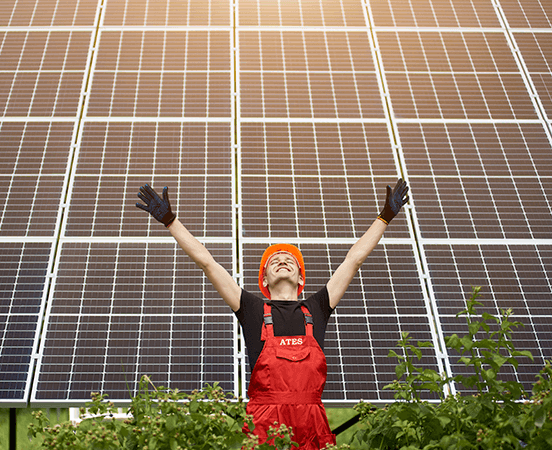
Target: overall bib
[(286, 386)]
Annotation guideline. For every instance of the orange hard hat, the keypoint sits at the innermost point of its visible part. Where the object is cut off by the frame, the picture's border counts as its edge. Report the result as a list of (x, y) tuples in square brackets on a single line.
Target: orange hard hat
[(288, 248)]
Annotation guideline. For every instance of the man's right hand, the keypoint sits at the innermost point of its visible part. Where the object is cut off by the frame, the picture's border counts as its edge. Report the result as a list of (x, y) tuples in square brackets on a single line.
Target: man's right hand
[(159, 208)]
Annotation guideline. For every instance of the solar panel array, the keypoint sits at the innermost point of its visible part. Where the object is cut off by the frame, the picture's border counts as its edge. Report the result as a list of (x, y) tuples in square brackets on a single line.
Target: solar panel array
[(269, 121)]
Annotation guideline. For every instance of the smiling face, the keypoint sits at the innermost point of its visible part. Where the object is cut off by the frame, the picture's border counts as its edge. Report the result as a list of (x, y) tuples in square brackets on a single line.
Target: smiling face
[(282, 267)]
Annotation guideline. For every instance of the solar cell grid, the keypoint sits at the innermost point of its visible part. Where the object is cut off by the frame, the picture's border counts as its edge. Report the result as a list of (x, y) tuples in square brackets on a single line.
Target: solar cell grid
[(527, 14), (162, 73), (511, 276), (23, 270), (193, 159), (169, 13), (42, 72), (119, 311), (329, 13), (303, 74), (314, 180), (453, 76), (37, 13), (434, 13), (33, 161), (487, 180), (536, 50)]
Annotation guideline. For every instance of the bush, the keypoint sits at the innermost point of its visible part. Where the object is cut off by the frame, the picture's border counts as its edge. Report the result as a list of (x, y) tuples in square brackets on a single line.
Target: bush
[(160, 419), (163, 419), (498, 416)]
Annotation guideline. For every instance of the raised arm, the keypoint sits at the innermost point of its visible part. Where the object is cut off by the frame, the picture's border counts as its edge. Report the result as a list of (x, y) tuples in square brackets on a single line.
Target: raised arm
[(160, 209), (342, 277)]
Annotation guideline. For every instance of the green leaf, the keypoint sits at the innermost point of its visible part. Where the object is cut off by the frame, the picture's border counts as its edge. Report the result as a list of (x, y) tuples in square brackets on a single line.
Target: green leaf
[(487, 316), (473, 409), (393, 354), (400, 370), (194, 406), (540, 416), (171, 422), (444, 420), (466, 342), (499, 359), (417, 352), (526, 353), (474, 328)]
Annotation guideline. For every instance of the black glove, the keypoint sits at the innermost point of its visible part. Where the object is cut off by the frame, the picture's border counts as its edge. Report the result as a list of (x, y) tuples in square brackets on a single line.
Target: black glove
[(395, 200), (158, 207)]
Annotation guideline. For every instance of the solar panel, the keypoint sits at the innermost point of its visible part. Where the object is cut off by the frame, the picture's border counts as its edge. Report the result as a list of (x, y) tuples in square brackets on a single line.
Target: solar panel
[(526, 14), (480, 180), (36, 13), (42, 72), (23, 281), (122, 310), (162, 74), (536, 50), (33, 164), (515, 277), (434, 13), (269, 121), (126, 301)]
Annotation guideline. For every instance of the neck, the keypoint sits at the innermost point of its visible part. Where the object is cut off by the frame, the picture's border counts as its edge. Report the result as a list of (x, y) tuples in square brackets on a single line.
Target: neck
[(283, 291)]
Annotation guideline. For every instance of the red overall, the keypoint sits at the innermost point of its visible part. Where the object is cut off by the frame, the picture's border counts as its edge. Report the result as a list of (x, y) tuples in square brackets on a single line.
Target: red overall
[(286, 386)]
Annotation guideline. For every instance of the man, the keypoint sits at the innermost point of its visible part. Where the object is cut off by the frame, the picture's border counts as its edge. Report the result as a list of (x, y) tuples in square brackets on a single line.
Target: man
[(284, 337)]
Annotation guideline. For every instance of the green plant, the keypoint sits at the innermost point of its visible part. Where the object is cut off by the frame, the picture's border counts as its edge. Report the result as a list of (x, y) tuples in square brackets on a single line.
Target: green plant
[(495, 417), (537, 416), (163, 419), (160, 419)]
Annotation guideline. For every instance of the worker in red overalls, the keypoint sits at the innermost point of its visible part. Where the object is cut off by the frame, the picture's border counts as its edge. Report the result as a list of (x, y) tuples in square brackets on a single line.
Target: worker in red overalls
[(284, 337)]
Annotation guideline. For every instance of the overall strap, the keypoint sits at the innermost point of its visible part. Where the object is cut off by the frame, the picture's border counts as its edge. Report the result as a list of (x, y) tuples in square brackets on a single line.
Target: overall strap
[(268, 325), (308, 321)]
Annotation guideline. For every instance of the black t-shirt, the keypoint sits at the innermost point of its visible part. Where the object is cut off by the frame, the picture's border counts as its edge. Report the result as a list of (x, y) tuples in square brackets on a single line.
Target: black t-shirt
[(287, 317)]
